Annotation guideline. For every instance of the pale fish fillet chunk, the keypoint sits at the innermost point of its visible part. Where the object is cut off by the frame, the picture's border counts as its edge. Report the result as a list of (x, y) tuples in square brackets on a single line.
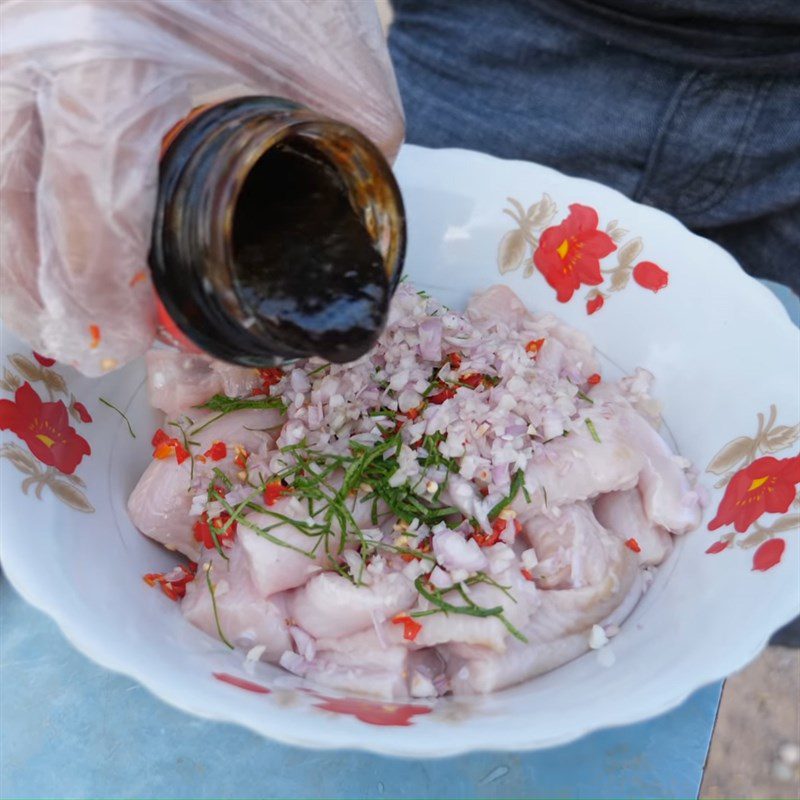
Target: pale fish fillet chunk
[(622, 514), (160, 503), (363, 663), (602, 571), (488, 632), (576, 467), (246, 618), (667, 496), (497, 302), (479, 670), (277, 567), (330, 605), (178, 381), (581, 552)]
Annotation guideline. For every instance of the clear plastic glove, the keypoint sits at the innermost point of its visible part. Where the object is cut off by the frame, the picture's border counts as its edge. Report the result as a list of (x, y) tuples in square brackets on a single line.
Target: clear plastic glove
[(88, 88)]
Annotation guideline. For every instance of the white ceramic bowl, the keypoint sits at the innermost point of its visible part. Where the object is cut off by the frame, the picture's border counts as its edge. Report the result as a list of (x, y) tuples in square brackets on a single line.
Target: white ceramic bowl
[(726, 358)]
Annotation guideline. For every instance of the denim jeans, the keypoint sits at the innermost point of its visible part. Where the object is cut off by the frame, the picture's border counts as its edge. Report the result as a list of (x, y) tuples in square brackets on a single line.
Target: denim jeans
[(718, 150)]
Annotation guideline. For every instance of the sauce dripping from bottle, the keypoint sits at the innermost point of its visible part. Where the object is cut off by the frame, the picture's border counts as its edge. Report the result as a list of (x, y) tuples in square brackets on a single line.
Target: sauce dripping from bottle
[(304, 263)]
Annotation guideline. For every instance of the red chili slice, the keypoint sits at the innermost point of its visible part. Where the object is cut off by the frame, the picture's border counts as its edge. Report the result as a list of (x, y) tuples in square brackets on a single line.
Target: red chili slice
[(202, 530), (94, 333), (159, 437), (439, 398), (411, 627), (473, 380), (534, 346), (164, 446), (424, 547), (181, 453), (217, 451), (164, 450), (173, 583), (488, 539), (269, 377), (275, 490)]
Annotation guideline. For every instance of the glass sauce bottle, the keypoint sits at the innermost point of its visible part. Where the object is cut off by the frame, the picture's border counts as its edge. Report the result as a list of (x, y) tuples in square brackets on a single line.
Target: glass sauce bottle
[(279, 234)]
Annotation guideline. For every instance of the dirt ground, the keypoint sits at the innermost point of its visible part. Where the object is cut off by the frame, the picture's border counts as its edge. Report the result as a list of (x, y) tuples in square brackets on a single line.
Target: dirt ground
[(755, 750)]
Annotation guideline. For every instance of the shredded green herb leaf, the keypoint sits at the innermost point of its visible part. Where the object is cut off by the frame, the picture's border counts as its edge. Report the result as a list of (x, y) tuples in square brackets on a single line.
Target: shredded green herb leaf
[(212, 592), (186, 446), (592, 430), (517, 483), (482, 577), (226, 405), (317, 370), (222, 477), (121, 413), (436, 598), (221, 402)]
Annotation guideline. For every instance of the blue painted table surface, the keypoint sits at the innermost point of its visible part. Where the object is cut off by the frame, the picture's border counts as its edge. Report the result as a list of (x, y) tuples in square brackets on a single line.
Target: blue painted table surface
[(69, 728)]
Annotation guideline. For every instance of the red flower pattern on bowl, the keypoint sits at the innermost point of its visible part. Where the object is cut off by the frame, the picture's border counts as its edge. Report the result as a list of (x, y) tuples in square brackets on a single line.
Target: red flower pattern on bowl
[(650, 276), (44, 360), (595, 303), (82, 411), (569, 253), (371, 712), (241, 683), (45, 428), (765, 486), (768, 555)]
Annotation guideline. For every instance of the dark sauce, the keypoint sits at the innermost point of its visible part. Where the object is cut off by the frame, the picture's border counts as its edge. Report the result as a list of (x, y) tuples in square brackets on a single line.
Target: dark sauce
[(304, 263)]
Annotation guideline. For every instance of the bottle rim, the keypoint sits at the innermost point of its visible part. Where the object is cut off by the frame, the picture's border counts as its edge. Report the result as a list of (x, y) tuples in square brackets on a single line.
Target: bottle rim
[(214, 174)]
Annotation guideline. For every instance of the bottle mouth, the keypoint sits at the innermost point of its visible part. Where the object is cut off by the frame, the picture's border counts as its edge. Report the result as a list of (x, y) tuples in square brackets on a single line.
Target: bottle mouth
[(343, 324), (194, 257)]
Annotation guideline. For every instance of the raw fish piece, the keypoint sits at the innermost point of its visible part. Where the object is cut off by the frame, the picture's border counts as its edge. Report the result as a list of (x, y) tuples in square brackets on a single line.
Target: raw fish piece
[(558, 631), (577, 467), (331, 605), (363, 663), (622, 514), (161, 502), (667, 495), (177, 381), (246, 618), (277, 567), (478, 670), (488, 632)]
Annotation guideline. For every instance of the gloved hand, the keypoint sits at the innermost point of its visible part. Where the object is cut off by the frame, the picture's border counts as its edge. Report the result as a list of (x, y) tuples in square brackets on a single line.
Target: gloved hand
[(88, 88)]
